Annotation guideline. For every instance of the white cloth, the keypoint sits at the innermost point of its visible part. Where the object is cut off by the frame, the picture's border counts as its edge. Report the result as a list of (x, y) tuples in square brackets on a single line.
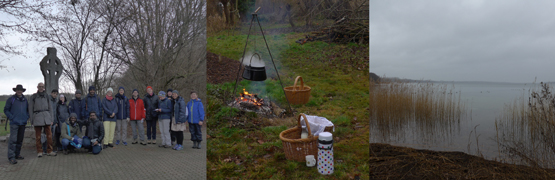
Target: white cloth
[(317, 124)]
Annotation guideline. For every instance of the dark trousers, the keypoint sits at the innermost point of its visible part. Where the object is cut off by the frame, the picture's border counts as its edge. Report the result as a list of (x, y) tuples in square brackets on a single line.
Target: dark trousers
[(151, 129), (179, 136), (16, 140), (173, 134), (196, 133), (87, 144)]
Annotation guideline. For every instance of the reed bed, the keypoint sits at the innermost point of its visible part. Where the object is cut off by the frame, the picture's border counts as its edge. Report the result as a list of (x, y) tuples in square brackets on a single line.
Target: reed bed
[(425, 110), (526, 129)]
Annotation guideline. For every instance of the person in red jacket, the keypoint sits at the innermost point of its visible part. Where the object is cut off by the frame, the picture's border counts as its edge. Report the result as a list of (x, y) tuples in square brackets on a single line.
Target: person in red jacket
[(137, 116)]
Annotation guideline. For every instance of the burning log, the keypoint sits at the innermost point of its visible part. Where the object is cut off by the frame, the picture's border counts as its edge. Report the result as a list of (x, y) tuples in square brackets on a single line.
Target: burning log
[(252, 103)]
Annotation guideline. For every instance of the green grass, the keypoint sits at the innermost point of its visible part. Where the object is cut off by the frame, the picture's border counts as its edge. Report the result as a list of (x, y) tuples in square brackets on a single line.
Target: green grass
[(338, 76), (2, 104)]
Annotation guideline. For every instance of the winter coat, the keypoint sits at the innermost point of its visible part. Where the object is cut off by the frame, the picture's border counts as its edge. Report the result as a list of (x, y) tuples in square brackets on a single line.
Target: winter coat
[(136, 109), (180, 110), (151, 103), (109, 107), (39, 109), (77, 106), (123, 107), (196, 111), (17, 110), (54, 105), (62, 112), (74, 130), (166, 107), (95, 130), (92, 103)]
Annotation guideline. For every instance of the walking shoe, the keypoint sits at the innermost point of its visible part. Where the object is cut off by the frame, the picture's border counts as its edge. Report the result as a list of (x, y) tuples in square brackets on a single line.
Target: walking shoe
[(148, 142), (167, 146), (160, 145), (52, 154), (175, 147), (198, 144), (134, 142), (39, 155), (179, 147), (65, 152), (125, 143), (104, 146), (110, 145), (13, 161), (143, 143), (117, 142), (19, 157)]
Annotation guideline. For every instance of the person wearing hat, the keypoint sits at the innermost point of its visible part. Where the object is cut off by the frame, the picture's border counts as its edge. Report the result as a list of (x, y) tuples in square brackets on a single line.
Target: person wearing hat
[(62, 110), (164, 116), (110, 108), (16, 110), (71, 134), (122, 117), (179, 117), (94, 134), (39, 110), (195, 119), (137, 116), (92, 103), (77, 106), (151, 104)]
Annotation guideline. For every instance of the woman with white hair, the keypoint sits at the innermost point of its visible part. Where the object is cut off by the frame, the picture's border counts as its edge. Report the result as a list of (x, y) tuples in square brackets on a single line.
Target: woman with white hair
[(110, 108)]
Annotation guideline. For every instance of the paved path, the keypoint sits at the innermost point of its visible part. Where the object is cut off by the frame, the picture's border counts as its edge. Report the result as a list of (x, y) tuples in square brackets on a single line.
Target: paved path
[(134, 161)]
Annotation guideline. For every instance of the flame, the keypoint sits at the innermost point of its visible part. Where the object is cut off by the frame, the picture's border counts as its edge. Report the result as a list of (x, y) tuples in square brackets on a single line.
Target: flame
[(248, 97)]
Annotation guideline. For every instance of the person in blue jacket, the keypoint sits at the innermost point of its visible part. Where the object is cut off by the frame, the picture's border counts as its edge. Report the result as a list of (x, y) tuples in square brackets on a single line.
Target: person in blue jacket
[(195, 119), (179, 117), (92, 103), (77, 106), (122, 117), (164, 111), (17, 111), (110, 108)]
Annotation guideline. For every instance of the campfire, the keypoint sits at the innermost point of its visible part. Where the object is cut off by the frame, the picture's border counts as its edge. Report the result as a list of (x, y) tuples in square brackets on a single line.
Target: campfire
[(252, 103)]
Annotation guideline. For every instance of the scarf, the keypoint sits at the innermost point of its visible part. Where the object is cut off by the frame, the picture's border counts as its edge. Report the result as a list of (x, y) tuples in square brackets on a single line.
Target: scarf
[(109, 97)]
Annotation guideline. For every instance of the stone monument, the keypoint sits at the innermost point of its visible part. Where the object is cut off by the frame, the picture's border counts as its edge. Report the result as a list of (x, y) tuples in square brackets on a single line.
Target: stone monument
[(52, 69)]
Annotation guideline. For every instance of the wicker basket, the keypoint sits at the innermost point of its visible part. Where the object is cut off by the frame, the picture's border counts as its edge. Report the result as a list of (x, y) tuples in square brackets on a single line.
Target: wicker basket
[(296, 148), (297, 94)]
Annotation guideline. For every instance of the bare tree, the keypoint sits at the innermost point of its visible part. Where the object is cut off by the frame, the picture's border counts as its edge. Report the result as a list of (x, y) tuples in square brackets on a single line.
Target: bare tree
[(76, 28), (162, 43)]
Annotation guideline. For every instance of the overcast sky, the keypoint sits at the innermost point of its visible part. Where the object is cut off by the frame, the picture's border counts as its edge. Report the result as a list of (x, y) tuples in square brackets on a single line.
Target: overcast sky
[(468, 40), (21, 69)]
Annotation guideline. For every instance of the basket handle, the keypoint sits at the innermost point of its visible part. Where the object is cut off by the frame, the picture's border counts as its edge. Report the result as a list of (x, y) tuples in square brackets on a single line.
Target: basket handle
[(250, 63), (295, 84), (305, 122)]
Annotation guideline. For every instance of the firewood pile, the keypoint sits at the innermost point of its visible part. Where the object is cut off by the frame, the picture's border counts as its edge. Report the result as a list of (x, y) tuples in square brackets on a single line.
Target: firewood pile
[(344, 30)]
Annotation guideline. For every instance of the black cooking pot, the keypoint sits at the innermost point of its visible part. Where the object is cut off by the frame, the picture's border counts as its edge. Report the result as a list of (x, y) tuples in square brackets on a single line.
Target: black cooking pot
[(254, 73)]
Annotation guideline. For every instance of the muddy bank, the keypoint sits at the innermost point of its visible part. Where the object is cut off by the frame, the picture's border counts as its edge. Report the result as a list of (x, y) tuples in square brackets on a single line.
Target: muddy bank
[(393, 162)]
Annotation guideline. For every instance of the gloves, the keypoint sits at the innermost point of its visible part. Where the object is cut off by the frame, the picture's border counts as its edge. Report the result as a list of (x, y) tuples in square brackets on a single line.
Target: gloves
[(142, 120), (127, 119)]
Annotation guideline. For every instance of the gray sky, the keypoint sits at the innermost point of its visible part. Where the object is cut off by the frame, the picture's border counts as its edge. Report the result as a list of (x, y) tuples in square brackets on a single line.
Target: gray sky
[(21, 69), (468, 40)]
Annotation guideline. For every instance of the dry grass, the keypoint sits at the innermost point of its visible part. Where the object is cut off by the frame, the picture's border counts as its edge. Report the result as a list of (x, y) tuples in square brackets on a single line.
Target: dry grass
[(429, 109), (215, 23), (526, 130)]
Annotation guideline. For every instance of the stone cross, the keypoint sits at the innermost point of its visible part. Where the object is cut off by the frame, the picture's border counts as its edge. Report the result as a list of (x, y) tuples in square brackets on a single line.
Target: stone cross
[(52, 69)]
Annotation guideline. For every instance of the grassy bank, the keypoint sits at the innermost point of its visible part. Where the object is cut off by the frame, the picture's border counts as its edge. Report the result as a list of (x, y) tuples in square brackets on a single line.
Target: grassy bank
[(243, 145)]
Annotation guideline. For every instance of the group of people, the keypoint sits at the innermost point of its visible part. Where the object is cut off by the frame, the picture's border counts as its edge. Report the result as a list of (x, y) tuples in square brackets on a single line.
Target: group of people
[(105, 119)]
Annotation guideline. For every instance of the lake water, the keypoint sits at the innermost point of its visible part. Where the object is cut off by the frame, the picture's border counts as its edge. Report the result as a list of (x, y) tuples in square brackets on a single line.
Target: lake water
[(484, 102)]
